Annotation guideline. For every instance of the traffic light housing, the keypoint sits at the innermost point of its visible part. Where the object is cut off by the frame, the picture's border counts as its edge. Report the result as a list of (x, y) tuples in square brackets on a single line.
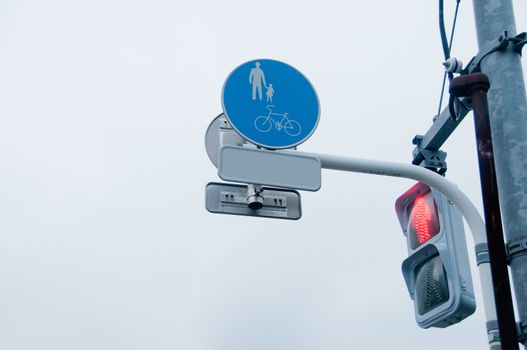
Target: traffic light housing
[(437, 270)]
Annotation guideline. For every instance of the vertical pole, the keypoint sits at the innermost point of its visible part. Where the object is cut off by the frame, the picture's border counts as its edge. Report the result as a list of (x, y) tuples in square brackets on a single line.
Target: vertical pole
[(508, 113), (476, 86)]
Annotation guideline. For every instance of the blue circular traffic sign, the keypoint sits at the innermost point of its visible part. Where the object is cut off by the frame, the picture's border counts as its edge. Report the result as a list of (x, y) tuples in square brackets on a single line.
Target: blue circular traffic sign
[(271, 104)]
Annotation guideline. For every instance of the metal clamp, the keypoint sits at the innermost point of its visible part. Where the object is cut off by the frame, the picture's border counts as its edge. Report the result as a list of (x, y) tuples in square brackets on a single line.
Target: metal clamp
[(493, 334), (516, 247), (519, 42), (482, 253), (522, 331), (503, 42), (433, 160), (255, 199)]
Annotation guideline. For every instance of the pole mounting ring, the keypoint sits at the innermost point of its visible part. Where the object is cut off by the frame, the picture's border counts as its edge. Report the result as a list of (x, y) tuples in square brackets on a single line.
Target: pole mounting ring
[(516, 247), (502, 43)]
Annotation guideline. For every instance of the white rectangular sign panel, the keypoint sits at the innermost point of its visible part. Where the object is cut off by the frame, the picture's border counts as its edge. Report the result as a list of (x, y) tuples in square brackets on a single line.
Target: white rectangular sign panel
[(271, 168)]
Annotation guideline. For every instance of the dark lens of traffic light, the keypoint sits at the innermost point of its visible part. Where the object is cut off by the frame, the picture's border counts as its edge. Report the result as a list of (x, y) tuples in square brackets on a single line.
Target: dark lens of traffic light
[(431, 285), (424, 221)]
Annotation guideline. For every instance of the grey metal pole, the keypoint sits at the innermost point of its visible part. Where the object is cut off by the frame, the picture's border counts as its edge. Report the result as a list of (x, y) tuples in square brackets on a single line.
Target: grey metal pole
[(508, 113)]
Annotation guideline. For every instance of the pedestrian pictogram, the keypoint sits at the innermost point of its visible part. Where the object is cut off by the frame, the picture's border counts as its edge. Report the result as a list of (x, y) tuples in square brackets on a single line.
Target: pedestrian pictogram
[(271, 104)]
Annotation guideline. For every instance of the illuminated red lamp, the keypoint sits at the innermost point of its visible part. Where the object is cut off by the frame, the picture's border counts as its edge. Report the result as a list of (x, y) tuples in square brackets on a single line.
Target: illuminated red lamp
[(424, 220)]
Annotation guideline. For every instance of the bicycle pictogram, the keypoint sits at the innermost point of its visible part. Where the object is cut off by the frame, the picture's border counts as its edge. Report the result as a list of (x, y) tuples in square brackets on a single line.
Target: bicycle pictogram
[(264, 123)]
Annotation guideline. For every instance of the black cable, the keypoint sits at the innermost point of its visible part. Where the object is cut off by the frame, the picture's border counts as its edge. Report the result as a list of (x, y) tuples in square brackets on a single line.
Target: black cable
[(447, 47), (453, 27), (442, 31)]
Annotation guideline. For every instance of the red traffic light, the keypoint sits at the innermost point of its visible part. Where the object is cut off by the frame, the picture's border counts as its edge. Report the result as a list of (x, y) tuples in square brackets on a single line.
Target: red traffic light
[(437, 271), (423, 221)]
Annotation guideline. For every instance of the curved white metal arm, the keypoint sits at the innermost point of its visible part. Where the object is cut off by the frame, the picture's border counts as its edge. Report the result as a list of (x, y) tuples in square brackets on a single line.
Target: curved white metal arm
[(449, 189)]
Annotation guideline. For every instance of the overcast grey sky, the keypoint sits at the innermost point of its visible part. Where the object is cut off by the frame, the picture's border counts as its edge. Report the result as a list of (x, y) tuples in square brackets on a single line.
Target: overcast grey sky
[(104, 239)]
